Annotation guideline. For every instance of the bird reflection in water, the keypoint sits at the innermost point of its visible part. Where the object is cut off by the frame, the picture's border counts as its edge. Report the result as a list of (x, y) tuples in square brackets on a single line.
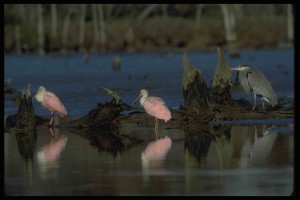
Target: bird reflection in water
[(154, 155), (49, 156), (258, 149)]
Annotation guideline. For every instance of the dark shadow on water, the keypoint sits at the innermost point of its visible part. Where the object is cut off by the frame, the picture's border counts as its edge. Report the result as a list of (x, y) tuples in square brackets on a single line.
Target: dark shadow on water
[(26, 143)]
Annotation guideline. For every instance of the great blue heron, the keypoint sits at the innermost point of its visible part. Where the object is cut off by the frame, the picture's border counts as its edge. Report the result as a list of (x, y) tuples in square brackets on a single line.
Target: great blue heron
[(253, 80)]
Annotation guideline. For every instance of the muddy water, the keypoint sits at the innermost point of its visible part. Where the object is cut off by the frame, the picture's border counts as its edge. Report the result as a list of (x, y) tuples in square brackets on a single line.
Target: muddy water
[(252, 157)]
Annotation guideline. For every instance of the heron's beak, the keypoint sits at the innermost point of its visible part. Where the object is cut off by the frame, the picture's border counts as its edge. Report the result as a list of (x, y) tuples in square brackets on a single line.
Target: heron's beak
[(134, 102)]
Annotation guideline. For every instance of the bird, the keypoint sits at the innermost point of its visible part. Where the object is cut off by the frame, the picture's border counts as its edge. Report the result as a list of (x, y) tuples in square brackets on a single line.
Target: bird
[(253, 80), (155, 107), (50, 101)]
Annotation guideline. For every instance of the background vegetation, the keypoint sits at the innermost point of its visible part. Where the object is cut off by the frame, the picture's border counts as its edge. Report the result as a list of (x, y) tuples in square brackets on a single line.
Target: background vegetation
[(64, 28)]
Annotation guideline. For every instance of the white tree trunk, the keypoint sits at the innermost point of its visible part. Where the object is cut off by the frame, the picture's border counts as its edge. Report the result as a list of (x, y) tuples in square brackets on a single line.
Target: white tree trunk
[(290, 23), (66, 28), (230, 30), (102, 26), (40, 28), (95, 23), (82, 25), (18, 39), (198, 15), (54, 21)]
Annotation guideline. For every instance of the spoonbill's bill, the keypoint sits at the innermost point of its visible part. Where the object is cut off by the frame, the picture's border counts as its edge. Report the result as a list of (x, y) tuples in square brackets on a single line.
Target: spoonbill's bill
[(50, 101), (155, 107)]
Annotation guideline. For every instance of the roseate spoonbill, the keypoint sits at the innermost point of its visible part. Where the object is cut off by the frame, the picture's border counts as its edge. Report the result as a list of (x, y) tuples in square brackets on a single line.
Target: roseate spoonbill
[(253, 80), (50, 101), (155, 107)]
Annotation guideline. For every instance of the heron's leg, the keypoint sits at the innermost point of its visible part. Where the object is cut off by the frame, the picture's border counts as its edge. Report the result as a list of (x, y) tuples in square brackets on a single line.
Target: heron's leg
[(254, 96), (262, 100)]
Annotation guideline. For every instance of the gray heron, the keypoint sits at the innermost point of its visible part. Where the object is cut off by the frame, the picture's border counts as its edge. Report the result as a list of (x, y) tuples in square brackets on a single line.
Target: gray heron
[(253, 80)]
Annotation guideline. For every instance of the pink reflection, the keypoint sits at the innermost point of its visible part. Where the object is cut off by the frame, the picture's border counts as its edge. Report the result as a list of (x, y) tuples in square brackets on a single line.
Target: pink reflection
[(52, 151), (158, 149)]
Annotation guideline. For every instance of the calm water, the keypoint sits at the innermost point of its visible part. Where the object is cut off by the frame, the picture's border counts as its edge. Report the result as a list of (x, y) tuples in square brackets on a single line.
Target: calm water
[(242, 158)]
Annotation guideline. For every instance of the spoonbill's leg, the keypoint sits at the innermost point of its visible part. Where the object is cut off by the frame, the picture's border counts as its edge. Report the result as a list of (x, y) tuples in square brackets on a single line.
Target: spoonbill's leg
[(156, 128), (51, 120), (51, 131)]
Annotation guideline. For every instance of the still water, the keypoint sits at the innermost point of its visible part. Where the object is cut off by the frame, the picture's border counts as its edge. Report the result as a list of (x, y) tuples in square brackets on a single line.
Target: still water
[(237, 158)]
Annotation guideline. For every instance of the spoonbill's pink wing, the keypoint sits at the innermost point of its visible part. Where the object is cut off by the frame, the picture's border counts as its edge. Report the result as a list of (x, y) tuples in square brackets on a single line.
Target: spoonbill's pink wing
[(156, 107), (53, 104)]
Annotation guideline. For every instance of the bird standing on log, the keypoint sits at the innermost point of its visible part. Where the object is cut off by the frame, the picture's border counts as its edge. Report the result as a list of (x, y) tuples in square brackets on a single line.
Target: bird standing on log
[(155, 107), (253, 80), (51, 102)]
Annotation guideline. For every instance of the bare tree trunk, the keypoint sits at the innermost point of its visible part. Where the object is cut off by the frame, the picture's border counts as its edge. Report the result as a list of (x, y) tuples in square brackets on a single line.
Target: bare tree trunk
[(95, 24), (290, 23), (18, 39), (129, 34), (146, 12), (40, 28), (54, 21), (102, 26), (82, 25), (66, 29), (230, 30), (164, 11), (198, 15), (22, 14), (195, 93), (220, 86), (108, 10), (238, 10)]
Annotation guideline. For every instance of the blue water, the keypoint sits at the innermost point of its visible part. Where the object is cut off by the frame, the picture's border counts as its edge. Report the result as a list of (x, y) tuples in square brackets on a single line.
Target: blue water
[(248, 157), (78, 84)]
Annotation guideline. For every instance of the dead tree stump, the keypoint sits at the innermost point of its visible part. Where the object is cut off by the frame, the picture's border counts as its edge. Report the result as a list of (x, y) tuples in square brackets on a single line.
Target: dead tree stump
[(195, 93), (219, 92)]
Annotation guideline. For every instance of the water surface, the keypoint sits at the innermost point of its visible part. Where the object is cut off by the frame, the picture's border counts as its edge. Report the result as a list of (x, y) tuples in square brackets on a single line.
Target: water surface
[(245, 157)]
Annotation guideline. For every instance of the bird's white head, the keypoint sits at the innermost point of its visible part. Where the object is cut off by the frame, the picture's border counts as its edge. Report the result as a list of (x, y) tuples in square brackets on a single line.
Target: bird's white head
[(241, 68), (143, 95), (39, 94)]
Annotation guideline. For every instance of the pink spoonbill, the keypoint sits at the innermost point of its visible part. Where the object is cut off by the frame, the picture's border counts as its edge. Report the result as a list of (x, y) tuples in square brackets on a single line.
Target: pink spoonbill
[(155, 107), (51, 102)]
